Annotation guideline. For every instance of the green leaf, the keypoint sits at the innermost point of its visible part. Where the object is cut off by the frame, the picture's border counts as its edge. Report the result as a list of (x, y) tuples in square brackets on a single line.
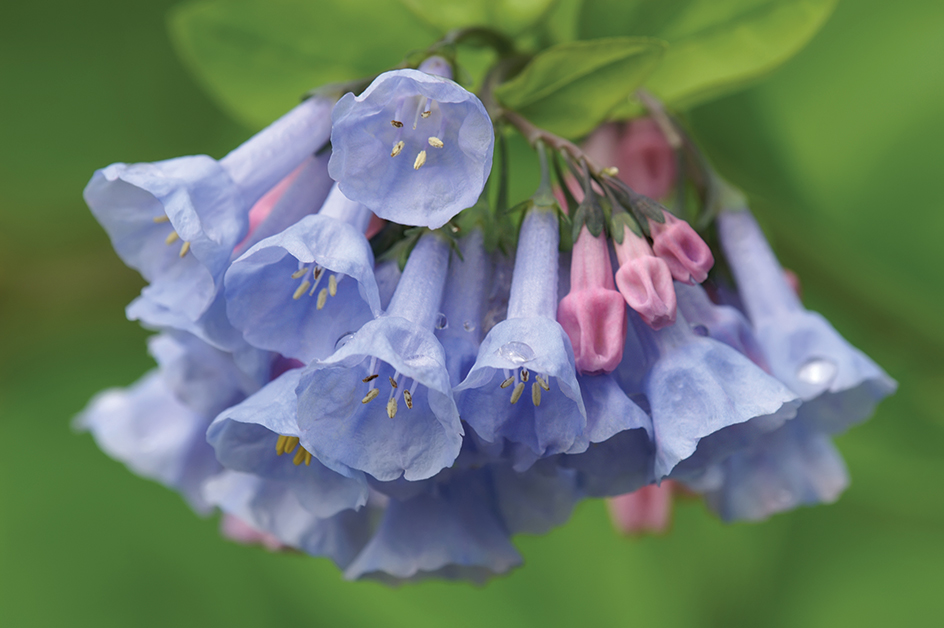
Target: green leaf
[(257, 58), (715, 46), (570, 88), (508, 16)]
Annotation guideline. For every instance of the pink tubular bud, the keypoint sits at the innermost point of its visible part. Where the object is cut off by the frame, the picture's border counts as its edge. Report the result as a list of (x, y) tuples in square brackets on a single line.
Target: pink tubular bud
[(685, 253), (263, 207), (593, 314), (639, 150), (235, 529), (645, 281), (647, 510)]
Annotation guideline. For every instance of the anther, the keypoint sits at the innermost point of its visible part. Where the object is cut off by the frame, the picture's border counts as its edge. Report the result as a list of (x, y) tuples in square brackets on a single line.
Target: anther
[(184, 249), (435, 142), (288, 445), (302, 456), (408, 398), (508, 382), (392, 407), (371, 395), (370, 378), (397, 148), (393, 382), (524, 375), (420, 160), (543, 383), (536, 394), (397, 124), (322, 298), (333, 285), (301, 290), (173, 237), (160, 219), (298, 274), (426, 113), (517, 392), (280, 445)]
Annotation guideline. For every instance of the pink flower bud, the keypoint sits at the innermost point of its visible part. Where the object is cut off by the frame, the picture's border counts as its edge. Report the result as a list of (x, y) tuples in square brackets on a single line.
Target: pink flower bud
[(645, 281), (639, 150), (685, 253), (594, 313), (263, 207), (647, 510), (793, 280), (235, 529)]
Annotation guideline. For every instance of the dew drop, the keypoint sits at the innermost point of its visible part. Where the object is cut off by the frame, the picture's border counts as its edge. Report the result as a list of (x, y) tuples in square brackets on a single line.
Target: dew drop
[(468, 326), (343, 340), (700, 330), (516, 352), (441, 321), (817, 371)]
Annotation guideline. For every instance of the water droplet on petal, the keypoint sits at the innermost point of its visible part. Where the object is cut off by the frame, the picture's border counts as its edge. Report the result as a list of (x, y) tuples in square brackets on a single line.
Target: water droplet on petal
[(700, 330), (516, 352), (343, 340), (441, 321), (817, 371), (468, 326)]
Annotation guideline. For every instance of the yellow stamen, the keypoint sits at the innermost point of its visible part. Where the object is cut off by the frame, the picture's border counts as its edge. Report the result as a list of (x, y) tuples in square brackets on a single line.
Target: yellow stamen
[(173, 237), (392, 407), (322, 298), (298, 274), (184, 248), (371, 395), (301, 290), (370, 378), (517, 392), (508, 382), (536, 394), (280, 445), (420, 160), (408, 398), (524, 375), (301, 456), (425, 114), (397, 124), (333, 285), (543, 383), (397, 148), (393, 382), (435, 142), (291, 442), (160, 219)]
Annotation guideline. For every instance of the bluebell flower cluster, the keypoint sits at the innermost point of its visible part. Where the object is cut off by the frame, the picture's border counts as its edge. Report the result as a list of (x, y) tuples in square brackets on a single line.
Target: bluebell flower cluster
[(407, 420)]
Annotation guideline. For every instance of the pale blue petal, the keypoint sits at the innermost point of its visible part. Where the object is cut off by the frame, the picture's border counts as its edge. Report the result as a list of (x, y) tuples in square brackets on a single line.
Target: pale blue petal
[(455, 533), (347, 435), (362, 138), (260, 288), (157, 437), (245, 437)]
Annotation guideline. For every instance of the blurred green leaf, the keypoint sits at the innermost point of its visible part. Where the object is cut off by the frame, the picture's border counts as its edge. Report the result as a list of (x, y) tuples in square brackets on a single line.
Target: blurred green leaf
[(509, 16), (570, 88), (257, 58), (715, 46)]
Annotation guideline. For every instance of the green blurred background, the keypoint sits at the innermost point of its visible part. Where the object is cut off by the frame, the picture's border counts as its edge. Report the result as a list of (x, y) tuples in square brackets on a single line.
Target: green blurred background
[(841, 147)]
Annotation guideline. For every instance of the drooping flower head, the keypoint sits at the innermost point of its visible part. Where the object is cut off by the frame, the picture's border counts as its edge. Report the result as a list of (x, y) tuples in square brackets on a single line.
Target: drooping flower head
[(529, 352), (413, 429), (178, 221), (300, 291), (802, 348), (414, 147)]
